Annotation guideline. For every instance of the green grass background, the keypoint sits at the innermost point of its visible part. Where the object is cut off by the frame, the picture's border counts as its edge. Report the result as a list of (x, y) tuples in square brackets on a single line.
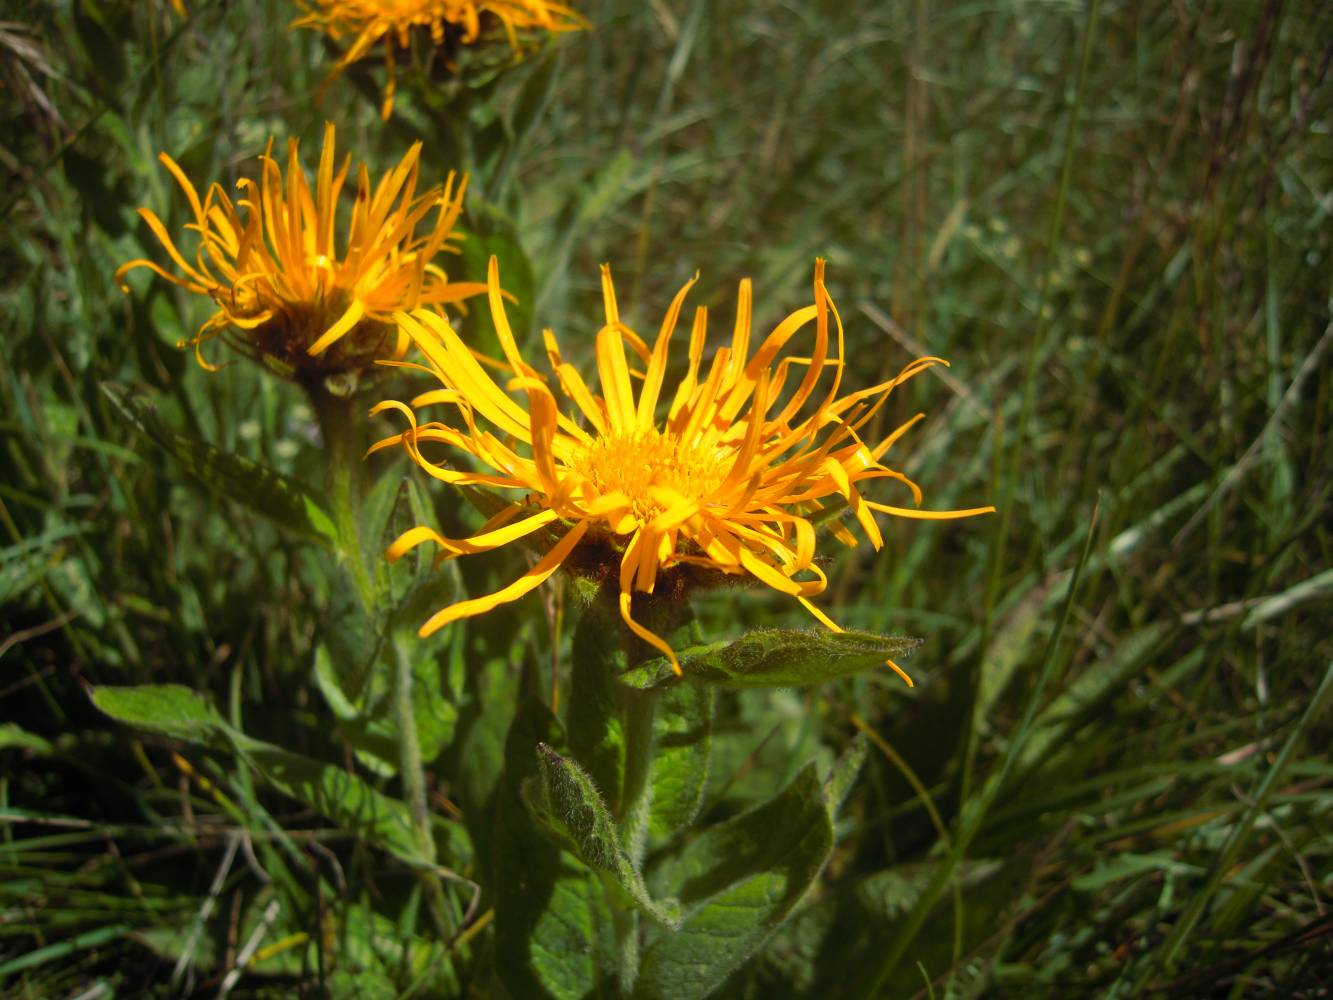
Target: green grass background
[(1113, 219)]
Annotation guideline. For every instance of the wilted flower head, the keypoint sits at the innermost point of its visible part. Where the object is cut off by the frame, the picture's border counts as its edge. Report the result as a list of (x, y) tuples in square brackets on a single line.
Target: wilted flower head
[(732, 480), (450, 22), (270, 261)]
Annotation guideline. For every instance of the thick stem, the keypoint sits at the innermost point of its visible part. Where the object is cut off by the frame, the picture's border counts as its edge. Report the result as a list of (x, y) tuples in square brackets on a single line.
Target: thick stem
[(636, 792), (344, 448), (625, 924), (636, 800)]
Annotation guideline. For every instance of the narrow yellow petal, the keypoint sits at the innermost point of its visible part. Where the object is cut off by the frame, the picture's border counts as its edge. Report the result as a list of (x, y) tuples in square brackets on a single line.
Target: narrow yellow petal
[(928, 515), (354, 314), (648, 636), (614, 372), (529, 581)]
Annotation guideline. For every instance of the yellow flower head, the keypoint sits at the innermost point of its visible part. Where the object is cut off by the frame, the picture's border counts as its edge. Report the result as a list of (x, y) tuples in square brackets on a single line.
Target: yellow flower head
[(369, 22), (270, 260), (752, 449)]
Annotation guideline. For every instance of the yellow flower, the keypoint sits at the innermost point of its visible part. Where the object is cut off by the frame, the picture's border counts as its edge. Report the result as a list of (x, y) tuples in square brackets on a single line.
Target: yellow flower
[(369, 22), (750, 451), (271, 264)]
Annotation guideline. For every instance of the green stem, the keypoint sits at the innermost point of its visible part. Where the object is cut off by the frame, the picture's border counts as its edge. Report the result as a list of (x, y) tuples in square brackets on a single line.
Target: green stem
[(632, 817), (413, 773), (344, 445), (344, 448), (625, 924), (636, 792)]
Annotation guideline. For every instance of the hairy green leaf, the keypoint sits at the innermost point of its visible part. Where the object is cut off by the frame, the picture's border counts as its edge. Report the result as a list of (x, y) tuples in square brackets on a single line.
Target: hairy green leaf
[(738, 881), (768, 658), (596, 724), (167, 709), (279, 498), (176, 711), (565, 801), (683, 730), (552, 923), (838, 784)]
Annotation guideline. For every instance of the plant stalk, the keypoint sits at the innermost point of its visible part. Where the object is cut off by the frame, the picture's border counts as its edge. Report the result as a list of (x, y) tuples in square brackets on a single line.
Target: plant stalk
[(344, 450), (344, 446), (413, 773), (636, 793), (625, 925), (638, 709)]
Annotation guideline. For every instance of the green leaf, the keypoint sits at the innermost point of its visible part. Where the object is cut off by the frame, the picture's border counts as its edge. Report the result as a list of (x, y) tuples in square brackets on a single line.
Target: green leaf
[(815, 952), (476, 757), (768, 658), (365, 715), (263, 490), (13, 736), (529, 108), (683, 731), (338, 795), (101, 42), (610, 187), (178, 712), (350, 648), (375, 956), (596, 725), (738, 881), (166, 709), (839, 783), (552, 923), (354, 664), (564, 800)]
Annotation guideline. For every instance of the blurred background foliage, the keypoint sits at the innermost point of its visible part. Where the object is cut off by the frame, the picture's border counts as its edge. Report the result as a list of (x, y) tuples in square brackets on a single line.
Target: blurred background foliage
[(1112, 218)]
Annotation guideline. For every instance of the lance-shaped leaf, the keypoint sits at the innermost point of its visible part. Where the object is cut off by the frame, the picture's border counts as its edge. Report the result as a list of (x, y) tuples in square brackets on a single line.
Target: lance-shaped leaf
[(279, 498), (596, 723), (166, 709), (738, 882), (552, 924), (838, 784), (778, 657), (177, 712), (564, 800), (355, 662), (682, 731)]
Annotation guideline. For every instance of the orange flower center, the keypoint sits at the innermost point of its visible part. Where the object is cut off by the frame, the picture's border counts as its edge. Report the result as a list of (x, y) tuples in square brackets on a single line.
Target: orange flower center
[(634, 462)]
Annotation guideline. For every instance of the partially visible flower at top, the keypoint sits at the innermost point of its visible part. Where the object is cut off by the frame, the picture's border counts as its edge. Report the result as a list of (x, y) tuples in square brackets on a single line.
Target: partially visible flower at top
[(732, 481), (450, 22), (271, 264)]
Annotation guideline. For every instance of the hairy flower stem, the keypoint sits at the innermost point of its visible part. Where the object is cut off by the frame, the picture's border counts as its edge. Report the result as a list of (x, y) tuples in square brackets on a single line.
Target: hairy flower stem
[(638, 709), (344, 446), (625, 925), (341, 428), (636, 793)]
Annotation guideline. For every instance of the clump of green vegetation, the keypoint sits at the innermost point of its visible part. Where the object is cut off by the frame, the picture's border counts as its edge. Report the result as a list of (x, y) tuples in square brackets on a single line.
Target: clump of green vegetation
[(1109, 778)]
